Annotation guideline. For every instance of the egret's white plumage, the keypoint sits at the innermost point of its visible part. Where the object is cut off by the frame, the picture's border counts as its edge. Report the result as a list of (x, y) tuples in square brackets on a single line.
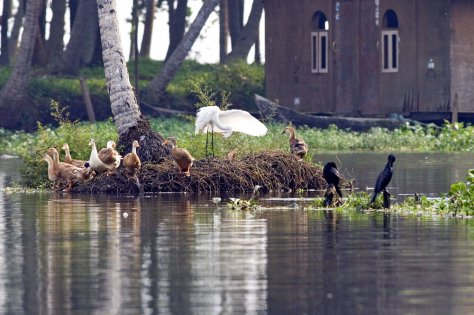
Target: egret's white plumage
[(211, 118)]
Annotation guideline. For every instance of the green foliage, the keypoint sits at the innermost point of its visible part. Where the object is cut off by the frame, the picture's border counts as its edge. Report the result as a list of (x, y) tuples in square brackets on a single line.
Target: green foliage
[(76, 134), (461, 196), (359, 201)]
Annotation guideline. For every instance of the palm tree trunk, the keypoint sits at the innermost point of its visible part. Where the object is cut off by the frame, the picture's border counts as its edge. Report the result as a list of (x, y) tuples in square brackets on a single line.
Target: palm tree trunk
[(14, 91), (157, 87), (148, 29), (15, 33), (177, 23), (81, 45), (55, 43), (131, 125), (223, 29), (6, 12), (248, 35), (123, 102)]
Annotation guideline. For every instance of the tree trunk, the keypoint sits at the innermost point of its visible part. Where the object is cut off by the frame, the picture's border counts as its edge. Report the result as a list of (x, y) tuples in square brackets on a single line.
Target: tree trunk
[(123, 102), (6, 12), (73, 7), (249, 33), (81, 45), (131, 125), (223, 29), (55, 44), (258, 56), (235, 20), (15, 33), (14, 91), (96, 58), (158, 86), (133, 31), (177, 23), (40, 55), (148, 29)]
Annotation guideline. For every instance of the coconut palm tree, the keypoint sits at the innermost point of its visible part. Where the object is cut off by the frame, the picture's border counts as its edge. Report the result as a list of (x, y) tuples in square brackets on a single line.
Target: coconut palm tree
[(131, 125), (122, 98), (14, 93)]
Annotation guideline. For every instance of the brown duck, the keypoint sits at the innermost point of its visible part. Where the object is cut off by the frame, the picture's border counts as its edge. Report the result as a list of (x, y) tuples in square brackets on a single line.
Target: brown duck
[(64, 173), (69, 160), (181, 156), (131, 161), (297, 146)]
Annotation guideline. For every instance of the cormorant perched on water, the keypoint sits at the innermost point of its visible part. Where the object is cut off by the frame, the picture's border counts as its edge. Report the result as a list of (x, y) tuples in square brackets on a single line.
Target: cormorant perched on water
[(332, 177), (384, 178)]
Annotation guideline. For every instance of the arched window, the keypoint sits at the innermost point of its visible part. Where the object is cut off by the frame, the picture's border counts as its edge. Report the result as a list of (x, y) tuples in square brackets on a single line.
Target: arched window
[(319, 43), (390, 42)]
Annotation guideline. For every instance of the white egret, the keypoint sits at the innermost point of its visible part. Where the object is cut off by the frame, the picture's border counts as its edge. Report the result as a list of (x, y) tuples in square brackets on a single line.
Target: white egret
[(212, 119)]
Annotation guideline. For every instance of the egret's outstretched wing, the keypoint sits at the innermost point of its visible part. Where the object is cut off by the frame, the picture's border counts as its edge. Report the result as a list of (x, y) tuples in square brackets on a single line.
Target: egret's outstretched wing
[(242, 121)]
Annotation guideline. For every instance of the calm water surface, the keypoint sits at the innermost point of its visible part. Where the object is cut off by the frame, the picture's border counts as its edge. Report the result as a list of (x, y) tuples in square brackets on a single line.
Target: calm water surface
[(182, 254)]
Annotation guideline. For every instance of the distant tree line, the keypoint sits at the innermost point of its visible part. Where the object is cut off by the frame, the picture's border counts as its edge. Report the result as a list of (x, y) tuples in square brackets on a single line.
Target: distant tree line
[(44, 44)]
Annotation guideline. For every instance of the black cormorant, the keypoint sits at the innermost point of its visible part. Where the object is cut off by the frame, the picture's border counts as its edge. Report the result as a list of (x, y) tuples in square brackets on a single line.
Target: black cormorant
[(384, 178), (332, 177)]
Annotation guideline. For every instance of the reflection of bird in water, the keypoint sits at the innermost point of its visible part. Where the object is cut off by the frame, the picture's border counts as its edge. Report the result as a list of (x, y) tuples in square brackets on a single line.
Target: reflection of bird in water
[(181, 156), (384, 177), (297, 146), (332, 177), (212, 119)]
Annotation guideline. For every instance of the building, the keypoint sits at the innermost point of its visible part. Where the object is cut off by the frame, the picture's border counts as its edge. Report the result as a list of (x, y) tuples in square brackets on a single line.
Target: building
[(371, 57)]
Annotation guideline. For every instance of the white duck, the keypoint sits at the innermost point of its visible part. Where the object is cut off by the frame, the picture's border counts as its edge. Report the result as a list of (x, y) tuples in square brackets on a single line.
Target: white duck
[(107, 159)]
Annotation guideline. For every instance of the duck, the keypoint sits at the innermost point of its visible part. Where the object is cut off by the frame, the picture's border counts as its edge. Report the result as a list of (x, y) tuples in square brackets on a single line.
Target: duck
[(68, 159), (131, 161), (298, 147), (181, 156), (64, 173), (107, 159), (51, 171), (231, 154)]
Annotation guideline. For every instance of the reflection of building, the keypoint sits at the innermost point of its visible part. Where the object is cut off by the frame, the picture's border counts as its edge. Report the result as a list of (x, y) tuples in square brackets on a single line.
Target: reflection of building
[(370, 57)]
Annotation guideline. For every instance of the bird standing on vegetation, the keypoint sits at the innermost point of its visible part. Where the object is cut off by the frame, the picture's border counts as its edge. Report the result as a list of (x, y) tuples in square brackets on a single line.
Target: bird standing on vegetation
[(384, 178), (131, 161), (107, 159), (181, 156), (213, 119), (231, 154), (298, 147), (332, 177), (64, 173), (68, 159)]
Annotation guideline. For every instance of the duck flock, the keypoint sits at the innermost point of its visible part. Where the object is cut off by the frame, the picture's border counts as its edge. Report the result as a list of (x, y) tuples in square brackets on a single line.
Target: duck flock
[(210, 119)]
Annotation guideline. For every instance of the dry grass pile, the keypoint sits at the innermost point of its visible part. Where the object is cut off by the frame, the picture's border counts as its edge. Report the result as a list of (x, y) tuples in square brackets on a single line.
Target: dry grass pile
[(273, 171)]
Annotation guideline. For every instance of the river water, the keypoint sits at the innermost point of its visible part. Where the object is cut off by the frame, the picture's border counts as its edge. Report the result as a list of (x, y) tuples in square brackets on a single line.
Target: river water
[(183, 254)]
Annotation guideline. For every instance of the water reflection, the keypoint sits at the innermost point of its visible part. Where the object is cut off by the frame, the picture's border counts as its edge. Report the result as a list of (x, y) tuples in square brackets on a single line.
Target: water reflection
[(177, 254), (183, 254)]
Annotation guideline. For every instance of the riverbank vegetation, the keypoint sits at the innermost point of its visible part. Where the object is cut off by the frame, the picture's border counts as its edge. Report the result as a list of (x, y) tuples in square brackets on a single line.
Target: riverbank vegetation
[(410, 138)]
